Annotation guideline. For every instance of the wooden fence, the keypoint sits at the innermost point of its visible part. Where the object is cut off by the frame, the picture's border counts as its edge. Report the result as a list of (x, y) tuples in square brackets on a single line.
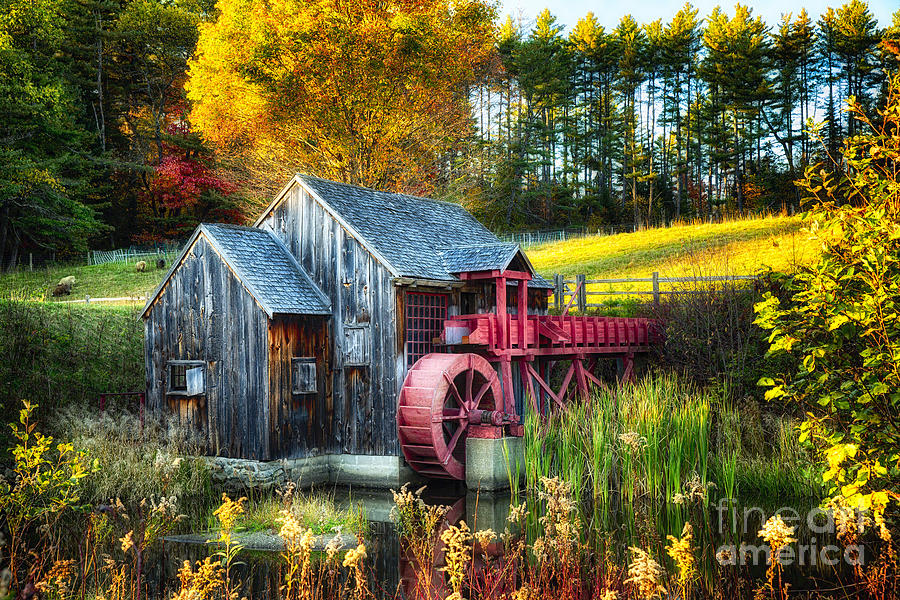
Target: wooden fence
[(99, 257), (575, 292)]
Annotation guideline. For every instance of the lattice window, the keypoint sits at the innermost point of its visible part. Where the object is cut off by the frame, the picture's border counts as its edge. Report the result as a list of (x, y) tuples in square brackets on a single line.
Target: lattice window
[(425, 316), (178, 375)]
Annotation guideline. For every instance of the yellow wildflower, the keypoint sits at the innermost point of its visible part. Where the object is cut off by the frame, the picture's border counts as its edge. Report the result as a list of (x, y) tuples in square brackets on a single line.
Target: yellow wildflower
[(681, 551), (776, 533), (229, 511), (645, 574), (127, 541), (355, 556)]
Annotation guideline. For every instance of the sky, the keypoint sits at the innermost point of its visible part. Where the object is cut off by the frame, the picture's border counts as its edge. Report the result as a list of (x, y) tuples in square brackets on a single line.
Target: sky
[(608, 12)]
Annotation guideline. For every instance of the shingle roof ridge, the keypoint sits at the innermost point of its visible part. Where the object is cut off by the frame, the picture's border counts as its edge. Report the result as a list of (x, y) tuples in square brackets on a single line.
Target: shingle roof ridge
[(368, 189)]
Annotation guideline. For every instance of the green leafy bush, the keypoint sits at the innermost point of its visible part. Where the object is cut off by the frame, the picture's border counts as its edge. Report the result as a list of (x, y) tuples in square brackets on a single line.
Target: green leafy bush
[(841, 320), (66, 355), (43, 487)]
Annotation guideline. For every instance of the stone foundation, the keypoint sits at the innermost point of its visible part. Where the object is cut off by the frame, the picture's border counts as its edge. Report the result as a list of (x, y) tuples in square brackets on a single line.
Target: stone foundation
[(379, 472), (486, 462)]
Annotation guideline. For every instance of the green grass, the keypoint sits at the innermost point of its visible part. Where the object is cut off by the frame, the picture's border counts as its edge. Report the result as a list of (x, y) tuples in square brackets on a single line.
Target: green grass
[(734, 247), (314, 510), (110, 280), (67, 354)]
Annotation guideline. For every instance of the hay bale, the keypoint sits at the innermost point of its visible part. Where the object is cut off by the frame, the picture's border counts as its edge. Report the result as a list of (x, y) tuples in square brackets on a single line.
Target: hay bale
[(140, 266)]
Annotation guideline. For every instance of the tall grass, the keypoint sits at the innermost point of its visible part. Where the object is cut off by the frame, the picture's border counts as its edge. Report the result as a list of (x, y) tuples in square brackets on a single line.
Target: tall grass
[(140, 460), (63, 355), (626, 453)]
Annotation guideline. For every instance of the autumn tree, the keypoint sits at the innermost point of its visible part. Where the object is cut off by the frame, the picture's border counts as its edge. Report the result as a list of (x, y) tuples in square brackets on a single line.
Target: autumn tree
[(366, 92)]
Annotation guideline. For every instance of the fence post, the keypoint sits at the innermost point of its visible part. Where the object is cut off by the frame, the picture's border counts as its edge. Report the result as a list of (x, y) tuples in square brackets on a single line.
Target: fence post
[(656, 287), (559, 292), (582, 292), (31, 261)]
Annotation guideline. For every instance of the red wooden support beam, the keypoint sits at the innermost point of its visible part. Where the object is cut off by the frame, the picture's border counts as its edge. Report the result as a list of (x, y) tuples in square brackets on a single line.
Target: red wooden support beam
[(542, 382), (628, 368), (581, 379), (509, 400), (542, 365), (526, 378), (474, 275), (523, 314), (564, 388), (501, 311)]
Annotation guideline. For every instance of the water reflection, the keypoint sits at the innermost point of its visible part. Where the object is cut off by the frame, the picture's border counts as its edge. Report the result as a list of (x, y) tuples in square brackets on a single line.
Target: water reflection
[(398, 573)]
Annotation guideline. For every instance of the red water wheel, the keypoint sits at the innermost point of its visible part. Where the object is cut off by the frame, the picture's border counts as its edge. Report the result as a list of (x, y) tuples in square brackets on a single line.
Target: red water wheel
[(442, 395)]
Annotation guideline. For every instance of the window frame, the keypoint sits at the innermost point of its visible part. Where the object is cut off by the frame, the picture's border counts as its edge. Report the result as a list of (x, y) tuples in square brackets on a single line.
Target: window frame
[(188, 365), (417, 340), (308, 360)]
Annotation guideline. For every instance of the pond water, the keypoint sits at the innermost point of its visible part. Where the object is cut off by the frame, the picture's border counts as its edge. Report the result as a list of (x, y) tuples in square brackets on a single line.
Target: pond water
[(724, 526)]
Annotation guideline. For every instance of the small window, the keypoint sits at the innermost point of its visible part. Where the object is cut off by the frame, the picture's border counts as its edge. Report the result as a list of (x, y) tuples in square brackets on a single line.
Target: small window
[(468, 303), (187, 377), (303, 375)]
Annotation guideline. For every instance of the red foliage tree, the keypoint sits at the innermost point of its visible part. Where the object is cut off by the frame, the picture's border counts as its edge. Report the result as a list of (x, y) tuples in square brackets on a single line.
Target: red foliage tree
[(184, 190)]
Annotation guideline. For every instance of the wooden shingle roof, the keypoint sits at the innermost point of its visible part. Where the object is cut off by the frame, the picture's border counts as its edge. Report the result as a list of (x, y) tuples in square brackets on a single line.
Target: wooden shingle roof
[(415, 237), (263, 265)]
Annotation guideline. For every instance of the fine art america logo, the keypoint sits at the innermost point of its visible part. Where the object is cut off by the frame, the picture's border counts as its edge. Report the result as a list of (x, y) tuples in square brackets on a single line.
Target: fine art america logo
[(824, 527)]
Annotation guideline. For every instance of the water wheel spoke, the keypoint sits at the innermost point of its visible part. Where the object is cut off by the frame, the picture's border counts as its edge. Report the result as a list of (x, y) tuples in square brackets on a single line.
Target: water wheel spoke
[(470, 377), (453, 414), (482, 391), (451, 445), (454, 391)]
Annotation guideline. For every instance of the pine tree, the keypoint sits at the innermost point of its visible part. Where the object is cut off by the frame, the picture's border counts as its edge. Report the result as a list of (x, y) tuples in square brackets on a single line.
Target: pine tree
[(735, 71)]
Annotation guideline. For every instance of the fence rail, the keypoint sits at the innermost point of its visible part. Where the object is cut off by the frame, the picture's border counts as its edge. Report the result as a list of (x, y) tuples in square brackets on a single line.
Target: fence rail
[(535, 238), (99, 257), (575, 292)]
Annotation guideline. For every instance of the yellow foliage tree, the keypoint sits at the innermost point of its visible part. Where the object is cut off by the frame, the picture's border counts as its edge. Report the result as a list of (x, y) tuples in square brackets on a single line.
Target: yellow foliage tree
[(363, 91)]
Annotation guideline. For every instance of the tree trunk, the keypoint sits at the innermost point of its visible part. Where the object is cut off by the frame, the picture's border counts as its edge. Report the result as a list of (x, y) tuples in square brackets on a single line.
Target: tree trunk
[(14, 258)]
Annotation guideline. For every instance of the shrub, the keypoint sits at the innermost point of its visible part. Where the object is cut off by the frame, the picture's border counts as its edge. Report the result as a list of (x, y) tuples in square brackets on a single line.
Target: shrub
[(43, 488), (66, 355), (841, 322)]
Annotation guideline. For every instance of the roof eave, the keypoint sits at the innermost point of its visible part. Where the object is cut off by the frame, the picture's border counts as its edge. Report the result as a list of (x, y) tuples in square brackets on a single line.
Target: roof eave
[(151, 300), (297, 178)]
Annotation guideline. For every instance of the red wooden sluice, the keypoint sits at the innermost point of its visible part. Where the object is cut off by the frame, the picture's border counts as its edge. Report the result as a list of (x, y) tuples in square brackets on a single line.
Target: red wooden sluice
[(449, 396)]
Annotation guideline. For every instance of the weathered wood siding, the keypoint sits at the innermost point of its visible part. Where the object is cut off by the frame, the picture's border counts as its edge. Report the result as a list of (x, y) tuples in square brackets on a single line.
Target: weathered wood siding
[(358, 417), (299, 421), (205, 314)]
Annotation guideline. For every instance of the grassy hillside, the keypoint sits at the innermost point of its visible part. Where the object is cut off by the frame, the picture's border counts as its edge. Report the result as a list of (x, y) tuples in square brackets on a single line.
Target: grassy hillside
[(736, 247), (111, 280)]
